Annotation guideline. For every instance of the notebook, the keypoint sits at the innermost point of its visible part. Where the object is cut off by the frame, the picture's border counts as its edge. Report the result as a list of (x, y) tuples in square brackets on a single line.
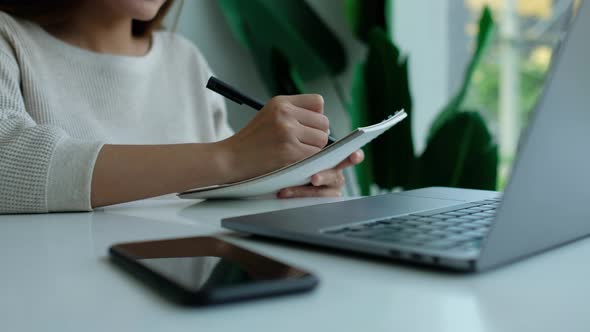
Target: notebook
[(298, 173)]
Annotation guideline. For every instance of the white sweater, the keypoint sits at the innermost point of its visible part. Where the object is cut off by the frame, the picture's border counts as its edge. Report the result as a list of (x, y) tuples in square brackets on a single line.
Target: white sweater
[(59, 104)]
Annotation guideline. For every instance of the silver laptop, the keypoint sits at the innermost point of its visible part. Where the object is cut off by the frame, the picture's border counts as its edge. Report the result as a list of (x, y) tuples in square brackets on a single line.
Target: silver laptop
[(546, 204)]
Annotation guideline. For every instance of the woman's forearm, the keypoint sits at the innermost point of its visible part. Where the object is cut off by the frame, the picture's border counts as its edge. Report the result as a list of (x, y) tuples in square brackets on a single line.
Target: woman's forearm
[(287, 129), (124, 173)]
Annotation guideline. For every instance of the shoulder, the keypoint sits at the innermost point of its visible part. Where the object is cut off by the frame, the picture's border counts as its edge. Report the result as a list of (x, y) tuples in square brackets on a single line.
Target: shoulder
[(183, 60), (182, 50), (14, 32), (7, 22)]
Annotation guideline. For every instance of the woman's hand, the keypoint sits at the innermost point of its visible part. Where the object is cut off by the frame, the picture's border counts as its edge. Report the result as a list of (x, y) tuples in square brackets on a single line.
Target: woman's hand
[(327, 183), (286, 130)]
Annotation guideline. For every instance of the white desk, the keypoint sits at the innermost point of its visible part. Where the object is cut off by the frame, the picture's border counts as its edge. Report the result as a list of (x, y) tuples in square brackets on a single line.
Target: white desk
[(55, 276)]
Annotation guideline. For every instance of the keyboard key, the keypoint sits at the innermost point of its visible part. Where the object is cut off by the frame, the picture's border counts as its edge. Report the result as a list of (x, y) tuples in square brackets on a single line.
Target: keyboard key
[(354, 228), (386, 221), (375, 225), (455, 229), (459, 238), (394, 228), (455, 214), (419, 222), (474, 236), (409, 232), (455, 221), (488, 207), (439, 225), (426, 225), (470, 226), (439, 217), (483, 214), (491, 201), (410, 217), (401, 219), (423, 237), (428, 220), (470, 218), (439, 233), (482, 223)]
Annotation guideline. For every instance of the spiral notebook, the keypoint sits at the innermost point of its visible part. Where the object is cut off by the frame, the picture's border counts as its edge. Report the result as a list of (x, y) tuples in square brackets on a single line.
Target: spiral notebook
[(298, 173)]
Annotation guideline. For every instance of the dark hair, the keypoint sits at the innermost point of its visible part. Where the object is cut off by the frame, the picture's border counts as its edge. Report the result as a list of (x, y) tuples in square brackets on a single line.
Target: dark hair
[(48, 12)]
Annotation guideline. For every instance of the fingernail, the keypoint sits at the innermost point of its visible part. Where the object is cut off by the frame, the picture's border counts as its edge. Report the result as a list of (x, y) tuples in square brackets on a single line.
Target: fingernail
[(287, 193)]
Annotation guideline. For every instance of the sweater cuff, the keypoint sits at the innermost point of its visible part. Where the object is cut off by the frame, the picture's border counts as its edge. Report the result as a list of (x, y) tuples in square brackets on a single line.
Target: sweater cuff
[(70, 175)]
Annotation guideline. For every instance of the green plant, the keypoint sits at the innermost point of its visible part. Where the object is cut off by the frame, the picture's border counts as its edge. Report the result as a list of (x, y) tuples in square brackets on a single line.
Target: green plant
[(460, 150), (291, 45), (289, 41), (381, 87), (487, 92)]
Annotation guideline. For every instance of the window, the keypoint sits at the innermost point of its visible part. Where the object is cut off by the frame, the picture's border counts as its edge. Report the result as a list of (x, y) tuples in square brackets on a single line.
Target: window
[(510, 78)]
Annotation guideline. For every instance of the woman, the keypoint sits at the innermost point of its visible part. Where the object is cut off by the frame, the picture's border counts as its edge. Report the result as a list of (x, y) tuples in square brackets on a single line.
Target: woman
[(96, 108)]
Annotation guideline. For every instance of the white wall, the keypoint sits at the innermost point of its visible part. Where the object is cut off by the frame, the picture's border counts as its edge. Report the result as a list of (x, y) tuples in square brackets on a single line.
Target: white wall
[(202, 22), (421, 29)]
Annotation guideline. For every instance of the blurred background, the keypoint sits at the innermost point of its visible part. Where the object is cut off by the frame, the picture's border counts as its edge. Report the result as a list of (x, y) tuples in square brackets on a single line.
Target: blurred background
[(438, 40)]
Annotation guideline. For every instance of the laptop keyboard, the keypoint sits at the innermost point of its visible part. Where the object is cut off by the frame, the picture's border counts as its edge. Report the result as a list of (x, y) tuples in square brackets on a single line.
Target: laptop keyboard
[(460, 227)]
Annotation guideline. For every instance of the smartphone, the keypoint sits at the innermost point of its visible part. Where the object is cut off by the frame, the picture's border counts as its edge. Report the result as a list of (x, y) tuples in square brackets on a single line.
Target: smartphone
[(200, 271)]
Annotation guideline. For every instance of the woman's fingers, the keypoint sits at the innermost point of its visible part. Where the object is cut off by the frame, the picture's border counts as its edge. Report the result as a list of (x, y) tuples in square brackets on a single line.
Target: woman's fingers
[(312, 136), (309, 191), (355, 158), (310, 118), (326, 183), (330, 177), (312, 102)]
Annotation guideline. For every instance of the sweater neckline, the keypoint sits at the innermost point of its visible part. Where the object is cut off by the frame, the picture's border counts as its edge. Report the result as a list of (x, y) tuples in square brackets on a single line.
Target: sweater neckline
[(85, 55)]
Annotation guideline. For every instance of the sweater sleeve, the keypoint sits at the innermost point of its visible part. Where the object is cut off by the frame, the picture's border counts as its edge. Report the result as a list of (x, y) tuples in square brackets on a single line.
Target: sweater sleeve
[(222, 127), (215, 102), (42, 169)]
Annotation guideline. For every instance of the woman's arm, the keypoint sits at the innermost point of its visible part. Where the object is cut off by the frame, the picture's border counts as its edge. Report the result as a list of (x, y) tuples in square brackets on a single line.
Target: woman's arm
[(124, 173), (287, 129)]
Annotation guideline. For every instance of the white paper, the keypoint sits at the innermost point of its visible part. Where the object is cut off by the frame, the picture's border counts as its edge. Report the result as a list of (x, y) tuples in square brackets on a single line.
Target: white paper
[(299, 173)]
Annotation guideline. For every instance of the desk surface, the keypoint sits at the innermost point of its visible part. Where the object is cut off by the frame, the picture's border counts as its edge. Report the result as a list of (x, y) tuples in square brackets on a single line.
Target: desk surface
[(56, 277)]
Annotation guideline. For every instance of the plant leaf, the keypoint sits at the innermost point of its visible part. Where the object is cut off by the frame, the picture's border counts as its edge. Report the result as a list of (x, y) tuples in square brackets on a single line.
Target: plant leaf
[(289, 28), (485, 35), (359, 117), (288, 80), (387, 91), (461, 153), (364, 15)]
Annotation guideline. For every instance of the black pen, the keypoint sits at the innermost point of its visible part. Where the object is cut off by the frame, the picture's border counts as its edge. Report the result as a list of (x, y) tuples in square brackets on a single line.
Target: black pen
[(231, 93)]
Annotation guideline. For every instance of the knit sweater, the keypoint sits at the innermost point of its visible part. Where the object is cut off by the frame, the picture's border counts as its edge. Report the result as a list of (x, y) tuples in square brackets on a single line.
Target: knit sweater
[(59, 104)]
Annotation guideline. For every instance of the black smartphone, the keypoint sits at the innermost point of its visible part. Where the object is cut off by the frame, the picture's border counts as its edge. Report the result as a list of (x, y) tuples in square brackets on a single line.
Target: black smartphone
[(206, 270)]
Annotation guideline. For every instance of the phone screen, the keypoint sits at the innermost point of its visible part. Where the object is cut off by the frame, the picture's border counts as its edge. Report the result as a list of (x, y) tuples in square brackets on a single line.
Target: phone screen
[(206, 264), (197, 273)]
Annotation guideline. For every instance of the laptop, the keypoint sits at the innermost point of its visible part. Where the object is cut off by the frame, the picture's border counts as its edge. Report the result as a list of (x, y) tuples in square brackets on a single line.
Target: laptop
[(546, 203)]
